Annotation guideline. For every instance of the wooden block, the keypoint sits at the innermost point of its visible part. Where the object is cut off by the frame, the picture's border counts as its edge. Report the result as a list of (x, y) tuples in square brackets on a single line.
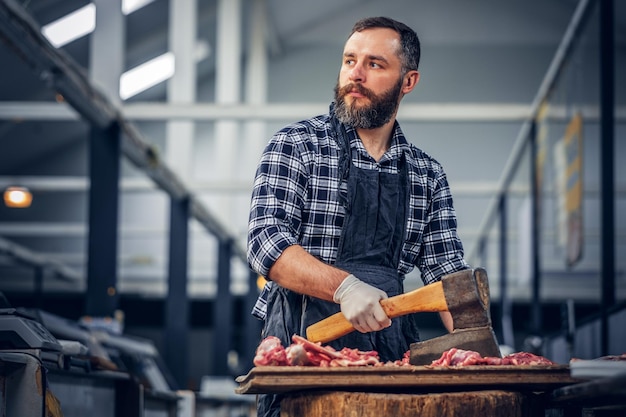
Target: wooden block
[(459, 404)]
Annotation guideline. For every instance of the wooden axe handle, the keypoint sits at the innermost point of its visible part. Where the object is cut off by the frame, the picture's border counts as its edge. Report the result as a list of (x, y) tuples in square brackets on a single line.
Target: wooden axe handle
[(427, 298)]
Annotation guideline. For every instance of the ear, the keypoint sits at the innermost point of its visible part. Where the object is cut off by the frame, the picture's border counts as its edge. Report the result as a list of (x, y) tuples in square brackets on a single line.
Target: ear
[(410, 81)]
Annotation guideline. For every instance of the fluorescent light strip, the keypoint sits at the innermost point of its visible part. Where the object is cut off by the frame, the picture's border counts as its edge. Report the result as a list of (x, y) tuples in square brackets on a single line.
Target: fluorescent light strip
[(82, 22), (129, 6), (72, 26), (146, 75)]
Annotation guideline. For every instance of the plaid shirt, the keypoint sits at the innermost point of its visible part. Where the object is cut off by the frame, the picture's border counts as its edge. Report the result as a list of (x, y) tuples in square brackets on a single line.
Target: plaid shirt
[(297, 200)]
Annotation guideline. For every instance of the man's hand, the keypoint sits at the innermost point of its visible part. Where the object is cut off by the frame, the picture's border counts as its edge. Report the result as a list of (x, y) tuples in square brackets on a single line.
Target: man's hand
[(360, 304)]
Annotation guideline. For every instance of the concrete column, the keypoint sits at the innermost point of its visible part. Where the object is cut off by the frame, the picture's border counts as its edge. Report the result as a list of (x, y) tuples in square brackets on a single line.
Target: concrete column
[(181, 88), (227, 92), (252, 144), (106, 53), (254, 139)]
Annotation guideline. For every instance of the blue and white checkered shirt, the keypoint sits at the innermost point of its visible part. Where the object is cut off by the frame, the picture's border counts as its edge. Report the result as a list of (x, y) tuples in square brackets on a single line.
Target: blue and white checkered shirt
[(296, 200)]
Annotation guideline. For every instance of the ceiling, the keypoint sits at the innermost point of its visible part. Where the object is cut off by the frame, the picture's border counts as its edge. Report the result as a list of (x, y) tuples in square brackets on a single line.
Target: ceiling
[(44, 144)]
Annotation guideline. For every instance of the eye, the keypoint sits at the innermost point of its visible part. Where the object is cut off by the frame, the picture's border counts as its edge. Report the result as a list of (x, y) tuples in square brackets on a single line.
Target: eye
[(375, 65)]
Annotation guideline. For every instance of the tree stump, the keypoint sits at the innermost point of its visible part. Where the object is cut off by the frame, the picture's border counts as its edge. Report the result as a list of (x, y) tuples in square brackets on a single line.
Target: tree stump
[(458, 404)]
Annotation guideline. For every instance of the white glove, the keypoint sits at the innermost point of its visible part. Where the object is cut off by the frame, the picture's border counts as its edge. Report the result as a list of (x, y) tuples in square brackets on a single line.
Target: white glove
[(360, 304)]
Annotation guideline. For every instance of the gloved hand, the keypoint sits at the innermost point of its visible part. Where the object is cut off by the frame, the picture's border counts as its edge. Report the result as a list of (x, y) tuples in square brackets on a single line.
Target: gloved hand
[(360, 304)]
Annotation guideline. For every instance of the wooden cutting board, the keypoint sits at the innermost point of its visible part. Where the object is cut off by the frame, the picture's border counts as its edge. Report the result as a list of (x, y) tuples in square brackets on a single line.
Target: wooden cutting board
[(282, 379)]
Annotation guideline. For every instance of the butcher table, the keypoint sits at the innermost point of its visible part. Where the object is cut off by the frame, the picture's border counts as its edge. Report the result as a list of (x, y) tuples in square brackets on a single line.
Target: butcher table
[(516, 391)]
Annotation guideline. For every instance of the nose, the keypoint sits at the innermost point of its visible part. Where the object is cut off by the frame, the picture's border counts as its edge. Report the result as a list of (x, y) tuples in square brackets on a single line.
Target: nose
[(357, 74)]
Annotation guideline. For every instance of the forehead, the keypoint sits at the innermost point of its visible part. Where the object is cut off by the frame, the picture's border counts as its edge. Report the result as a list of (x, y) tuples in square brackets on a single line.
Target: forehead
[(376, 41)]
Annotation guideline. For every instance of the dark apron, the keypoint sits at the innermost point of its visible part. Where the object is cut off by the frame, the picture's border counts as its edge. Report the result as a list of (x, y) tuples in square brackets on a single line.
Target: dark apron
[(370, 247)]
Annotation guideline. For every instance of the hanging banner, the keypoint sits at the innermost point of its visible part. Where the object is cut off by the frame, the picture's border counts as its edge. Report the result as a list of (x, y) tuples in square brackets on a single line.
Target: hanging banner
[(573, 188)]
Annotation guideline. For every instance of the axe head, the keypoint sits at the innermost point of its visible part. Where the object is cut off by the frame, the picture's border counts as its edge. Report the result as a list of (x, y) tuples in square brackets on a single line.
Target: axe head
[(467, 297)]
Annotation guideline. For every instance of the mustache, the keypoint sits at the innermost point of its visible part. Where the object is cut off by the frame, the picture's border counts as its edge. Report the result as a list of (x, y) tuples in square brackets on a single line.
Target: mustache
[(346, 89)]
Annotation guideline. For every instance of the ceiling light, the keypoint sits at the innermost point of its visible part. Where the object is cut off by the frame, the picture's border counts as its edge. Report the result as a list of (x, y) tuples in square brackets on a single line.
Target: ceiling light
[(72, 26), (17, 197), (129, 6), (146, 75), (82, 22)]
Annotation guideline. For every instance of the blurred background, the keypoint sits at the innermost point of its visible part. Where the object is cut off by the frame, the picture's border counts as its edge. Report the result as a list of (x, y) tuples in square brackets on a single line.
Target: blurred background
[(136, 127)]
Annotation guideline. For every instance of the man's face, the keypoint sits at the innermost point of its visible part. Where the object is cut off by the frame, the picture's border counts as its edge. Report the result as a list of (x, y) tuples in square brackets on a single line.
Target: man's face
[(369, 86), (377, 112)]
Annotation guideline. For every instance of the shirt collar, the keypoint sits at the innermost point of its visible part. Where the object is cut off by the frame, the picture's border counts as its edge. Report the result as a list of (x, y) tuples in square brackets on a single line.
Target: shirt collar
[(399, 144)]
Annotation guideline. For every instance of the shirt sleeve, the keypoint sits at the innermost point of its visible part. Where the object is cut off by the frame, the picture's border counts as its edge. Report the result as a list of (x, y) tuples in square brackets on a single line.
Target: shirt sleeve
[(277, 201), (259, 310), (442, 250)]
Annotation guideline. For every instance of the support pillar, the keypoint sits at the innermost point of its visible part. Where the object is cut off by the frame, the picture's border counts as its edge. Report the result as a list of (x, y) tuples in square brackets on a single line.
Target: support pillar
[(505, 301), (535, 307), (176, 334), (222, 328), (104, 173), (607, 171)]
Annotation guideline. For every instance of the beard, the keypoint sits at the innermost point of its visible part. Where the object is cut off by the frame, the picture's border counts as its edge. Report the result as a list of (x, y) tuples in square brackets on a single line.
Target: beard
[(378, 112)]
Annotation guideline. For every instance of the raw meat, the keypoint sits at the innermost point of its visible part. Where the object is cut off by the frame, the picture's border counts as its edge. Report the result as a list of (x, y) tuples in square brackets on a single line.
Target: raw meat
[(297, 355), (460, 357), (526, 358), (302, 352), (270, 352)]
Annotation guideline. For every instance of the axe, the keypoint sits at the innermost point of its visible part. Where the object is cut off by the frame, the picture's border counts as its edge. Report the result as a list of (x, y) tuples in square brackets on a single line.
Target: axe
[(465, 294)]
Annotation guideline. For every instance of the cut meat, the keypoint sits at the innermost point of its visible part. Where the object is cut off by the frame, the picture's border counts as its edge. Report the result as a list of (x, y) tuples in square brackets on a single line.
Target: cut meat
[(457, 357), (302, 352), (405, 361), (525, 358), (319, 355), (270, 352), (460, 357), (297, 355)]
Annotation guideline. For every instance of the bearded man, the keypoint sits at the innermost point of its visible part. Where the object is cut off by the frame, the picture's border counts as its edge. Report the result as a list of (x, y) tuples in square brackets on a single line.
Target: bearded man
[(344, 206)]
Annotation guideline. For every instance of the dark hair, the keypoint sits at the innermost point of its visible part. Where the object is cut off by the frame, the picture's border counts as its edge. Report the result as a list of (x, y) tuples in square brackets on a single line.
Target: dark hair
[(409, 42)]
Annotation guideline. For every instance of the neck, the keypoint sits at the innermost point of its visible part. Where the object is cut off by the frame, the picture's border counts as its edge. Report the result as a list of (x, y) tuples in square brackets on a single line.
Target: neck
[(377, 141)]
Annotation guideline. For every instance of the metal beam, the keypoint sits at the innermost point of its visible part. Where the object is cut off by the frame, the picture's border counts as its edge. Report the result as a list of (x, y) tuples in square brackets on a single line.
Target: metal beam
[(23, 35), (445, 112), (477, 189), (81, 184), (28, 257)]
